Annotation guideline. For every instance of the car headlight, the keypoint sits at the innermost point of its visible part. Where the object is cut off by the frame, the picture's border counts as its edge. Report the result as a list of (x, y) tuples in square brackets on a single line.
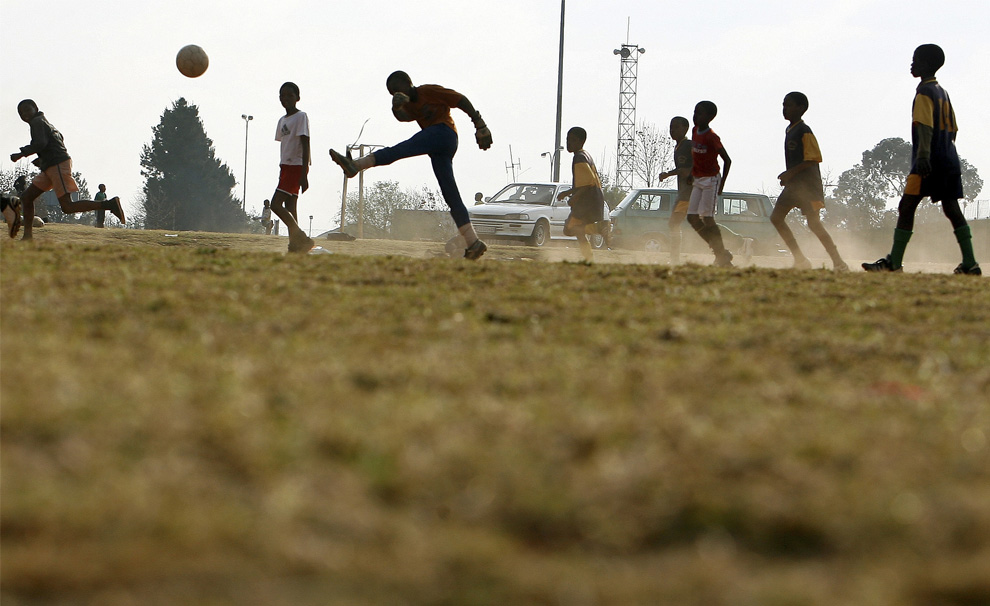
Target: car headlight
[(517, 217)]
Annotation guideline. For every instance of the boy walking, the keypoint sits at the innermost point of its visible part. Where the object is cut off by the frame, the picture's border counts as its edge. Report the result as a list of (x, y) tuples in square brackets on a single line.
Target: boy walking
[(586, 197), (935, 169), (292, 133), (56, 172), (706, 148), (682, 169), (802, 182), (266, 218), (429, 105)]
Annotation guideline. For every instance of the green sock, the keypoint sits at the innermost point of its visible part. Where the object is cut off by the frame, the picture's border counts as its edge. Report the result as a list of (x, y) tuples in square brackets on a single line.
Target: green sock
[(901, 239), (964, 235)]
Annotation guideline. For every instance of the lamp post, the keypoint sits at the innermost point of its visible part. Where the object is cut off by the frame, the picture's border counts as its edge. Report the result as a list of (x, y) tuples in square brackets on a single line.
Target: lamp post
[(553, 159), (311, 226), (247, 121), (555, 173)]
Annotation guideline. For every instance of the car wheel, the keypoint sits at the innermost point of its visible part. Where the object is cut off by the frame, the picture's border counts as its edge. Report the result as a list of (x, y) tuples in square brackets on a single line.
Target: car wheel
[(654, 243), (541, 233)]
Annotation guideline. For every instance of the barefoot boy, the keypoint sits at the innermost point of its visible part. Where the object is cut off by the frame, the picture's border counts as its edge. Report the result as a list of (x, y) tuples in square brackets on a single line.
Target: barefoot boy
[(429, 105), (802, 182), (56, 171), (292, 133), (586, 197), (705, 151), (935, 169), (682, 169)]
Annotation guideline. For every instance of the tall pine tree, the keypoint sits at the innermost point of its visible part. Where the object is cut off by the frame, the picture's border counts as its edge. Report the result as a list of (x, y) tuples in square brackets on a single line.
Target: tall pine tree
[(186, 186)]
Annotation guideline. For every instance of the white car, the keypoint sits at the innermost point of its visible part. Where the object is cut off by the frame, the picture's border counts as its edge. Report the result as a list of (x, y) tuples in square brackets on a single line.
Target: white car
[(529, 212)]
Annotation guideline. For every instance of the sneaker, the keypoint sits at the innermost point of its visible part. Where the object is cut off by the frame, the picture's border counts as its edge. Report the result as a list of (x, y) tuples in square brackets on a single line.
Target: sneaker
[(12, 215), (841, 267), (117, 209), (301, 243), (345, 162), (475, 251), (881, 265), (724, 260), (970, 271)]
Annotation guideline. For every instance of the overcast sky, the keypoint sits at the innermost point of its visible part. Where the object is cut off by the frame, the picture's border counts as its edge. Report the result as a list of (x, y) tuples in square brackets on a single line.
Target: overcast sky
[(104, 71)]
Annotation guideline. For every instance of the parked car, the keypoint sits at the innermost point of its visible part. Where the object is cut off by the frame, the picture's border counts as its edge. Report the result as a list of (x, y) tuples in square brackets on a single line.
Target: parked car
[(527, 212), (640, 222)]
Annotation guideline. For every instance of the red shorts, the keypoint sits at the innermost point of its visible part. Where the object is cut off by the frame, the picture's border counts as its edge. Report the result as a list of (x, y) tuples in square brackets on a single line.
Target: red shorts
[(288, 178)]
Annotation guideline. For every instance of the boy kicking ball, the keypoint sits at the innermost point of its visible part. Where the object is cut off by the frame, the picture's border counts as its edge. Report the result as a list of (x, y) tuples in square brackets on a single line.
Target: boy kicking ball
[(429, 105)]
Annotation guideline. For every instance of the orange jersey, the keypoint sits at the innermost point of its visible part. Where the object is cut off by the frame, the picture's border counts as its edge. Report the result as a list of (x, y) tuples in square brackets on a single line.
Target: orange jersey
[(432, 105)]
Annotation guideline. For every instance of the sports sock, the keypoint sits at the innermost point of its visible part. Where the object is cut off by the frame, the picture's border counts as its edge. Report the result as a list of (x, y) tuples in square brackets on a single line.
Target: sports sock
[(964, 235), (365, 162), (901, 239), (467, 230), (585, 247)]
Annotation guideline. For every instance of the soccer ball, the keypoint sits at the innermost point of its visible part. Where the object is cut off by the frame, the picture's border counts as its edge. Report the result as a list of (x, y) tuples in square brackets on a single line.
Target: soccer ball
[(192, 61)]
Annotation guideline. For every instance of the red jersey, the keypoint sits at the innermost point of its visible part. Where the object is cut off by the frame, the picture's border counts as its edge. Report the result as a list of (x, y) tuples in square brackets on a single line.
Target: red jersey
[(432, 105), (704, 152)]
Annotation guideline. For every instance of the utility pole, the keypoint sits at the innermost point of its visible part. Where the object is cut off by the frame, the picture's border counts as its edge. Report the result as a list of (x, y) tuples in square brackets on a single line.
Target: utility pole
[(247, 121), (626, 144), (560, 97)]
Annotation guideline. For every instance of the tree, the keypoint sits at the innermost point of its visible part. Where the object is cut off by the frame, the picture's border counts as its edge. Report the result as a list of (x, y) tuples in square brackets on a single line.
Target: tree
[(381, 199), (654, 153), (187, 187), (860, 198)]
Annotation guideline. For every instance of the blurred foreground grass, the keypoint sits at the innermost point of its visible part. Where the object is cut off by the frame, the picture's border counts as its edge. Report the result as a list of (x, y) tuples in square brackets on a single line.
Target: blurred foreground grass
[(207, 421)]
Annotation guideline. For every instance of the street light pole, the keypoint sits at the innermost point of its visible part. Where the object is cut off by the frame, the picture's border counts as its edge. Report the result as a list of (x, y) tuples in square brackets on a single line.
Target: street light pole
[(560, 92), (247, 120)]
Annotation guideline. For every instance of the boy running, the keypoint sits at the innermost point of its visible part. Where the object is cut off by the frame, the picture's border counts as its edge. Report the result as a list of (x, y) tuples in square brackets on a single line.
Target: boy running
[(802, 182), (682, 169), (586, 197), (935, 169), (706, 147), (56, 172), (292, 133), (429, 105)]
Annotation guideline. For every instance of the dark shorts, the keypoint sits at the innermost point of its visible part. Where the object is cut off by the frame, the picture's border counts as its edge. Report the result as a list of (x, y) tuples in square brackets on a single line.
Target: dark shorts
[(805, 199), (937, 186), (586, 209)]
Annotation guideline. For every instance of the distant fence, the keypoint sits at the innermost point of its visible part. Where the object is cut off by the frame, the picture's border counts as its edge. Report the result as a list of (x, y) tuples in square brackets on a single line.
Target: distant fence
[(977, 209)]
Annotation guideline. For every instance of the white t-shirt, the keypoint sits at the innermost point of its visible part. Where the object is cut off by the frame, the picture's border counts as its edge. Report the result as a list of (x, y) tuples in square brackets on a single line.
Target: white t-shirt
[(289, 129)]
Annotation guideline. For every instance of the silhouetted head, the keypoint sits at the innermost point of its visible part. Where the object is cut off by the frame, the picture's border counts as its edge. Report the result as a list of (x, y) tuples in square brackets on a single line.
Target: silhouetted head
[(795, 104), (576, 138), (102, 187), (288, 95), (704, 113), (27, 109), (398, 82), (679, 127), (927, 60)]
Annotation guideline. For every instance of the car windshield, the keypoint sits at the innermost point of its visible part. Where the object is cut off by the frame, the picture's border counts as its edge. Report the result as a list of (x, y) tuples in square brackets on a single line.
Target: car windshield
[(525, 194)]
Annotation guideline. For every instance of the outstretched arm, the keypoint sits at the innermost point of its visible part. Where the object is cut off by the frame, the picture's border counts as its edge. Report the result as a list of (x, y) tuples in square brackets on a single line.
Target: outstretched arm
[(39, 139), (482, 135)]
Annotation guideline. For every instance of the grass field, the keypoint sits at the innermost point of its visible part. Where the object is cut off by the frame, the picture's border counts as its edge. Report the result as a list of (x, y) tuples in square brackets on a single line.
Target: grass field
[(201, 419)]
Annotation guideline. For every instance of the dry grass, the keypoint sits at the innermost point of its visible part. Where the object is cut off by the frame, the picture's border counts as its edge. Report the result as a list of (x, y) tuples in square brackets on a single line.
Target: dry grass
[(204, 420)]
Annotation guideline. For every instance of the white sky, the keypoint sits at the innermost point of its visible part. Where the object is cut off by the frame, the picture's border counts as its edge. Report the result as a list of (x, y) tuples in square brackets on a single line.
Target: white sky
[(103, 72)]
